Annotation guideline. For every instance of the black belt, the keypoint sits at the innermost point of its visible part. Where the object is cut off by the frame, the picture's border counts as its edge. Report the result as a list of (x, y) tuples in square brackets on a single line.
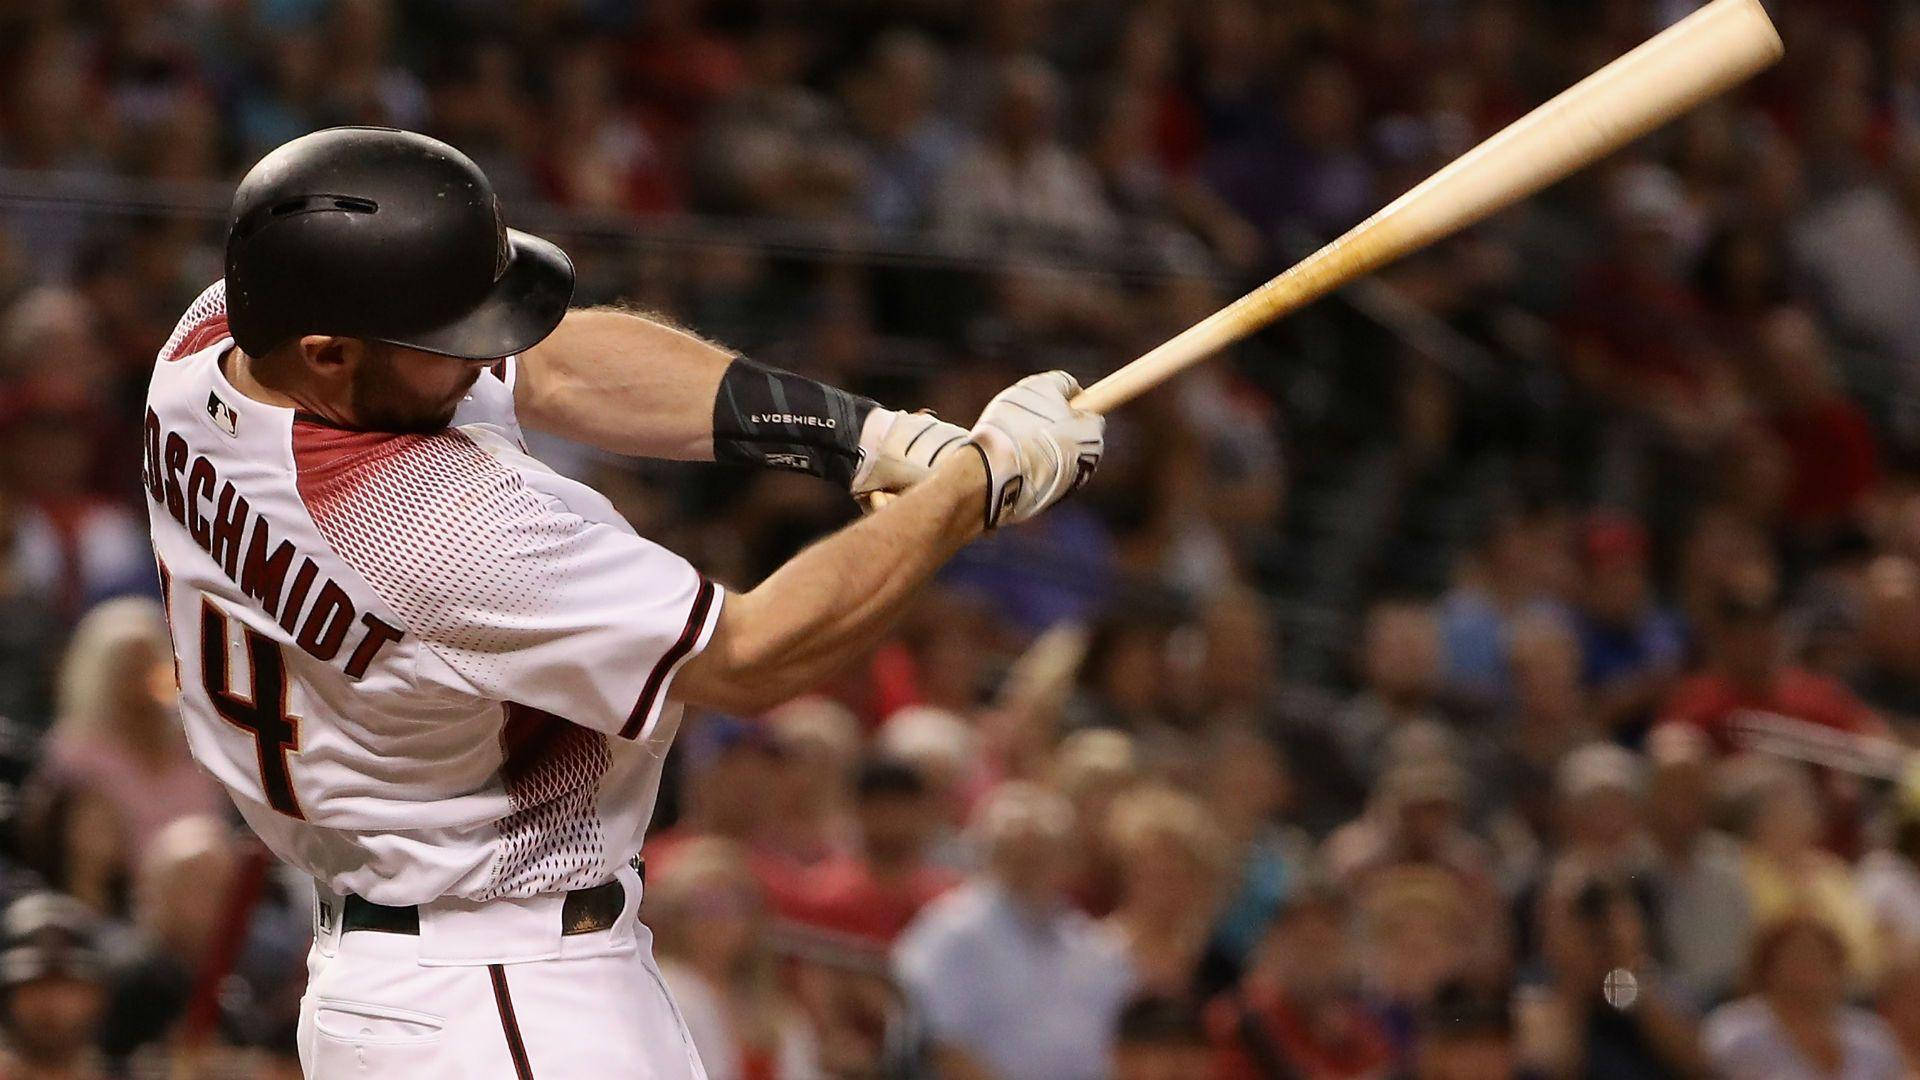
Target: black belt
[(584, 911)]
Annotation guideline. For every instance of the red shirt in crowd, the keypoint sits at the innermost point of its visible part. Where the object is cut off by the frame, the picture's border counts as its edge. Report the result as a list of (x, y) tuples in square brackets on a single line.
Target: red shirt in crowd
[(844, 895), (1835, 461), (1343, 1042), (1709, 700)]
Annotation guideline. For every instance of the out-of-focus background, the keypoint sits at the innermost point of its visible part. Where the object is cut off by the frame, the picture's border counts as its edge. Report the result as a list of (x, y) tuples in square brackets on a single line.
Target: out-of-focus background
[(1379, 711)]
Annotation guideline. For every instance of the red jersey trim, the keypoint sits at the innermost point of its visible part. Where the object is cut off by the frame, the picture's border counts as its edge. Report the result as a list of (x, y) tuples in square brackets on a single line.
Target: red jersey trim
[(657, 678), (330, 461), (201, 337)]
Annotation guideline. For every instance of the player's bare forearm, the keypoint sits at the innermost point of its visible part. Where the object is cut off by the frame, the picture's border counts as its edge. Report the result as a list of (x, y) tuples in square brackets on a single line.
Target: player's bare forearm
[(829, 604), (625, 383)]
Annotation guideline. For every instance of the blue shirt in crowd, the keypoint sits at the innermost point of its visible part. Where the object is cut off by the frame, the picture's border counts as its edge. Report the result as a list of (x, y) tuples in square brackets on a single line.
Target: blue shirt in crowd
[(1030, 997)]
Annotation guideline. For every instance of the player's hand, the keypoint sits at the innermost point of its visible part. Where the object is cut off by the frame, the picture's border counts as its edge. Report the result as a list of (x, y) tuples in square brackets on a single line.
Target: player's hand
[(899, 449), (1038, 447)]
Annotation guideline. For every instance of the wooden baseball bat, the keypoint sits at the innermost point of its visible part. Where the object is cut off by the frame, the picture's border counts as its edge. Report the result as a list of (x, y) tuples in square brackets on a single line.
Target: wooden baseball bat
[(1880, 757), (1710, 51)]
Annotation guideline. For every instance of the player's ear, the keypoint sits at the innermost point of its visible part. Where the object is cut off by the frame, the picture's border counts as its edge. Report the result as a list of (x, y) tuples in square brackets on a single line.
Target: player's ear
[(329, 357)]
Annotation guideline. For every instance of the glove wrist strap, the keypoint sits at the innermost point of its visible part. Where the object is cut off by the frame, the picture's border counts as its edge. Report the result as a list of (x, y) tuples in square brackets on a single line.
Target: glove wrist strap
[(1001, 456)]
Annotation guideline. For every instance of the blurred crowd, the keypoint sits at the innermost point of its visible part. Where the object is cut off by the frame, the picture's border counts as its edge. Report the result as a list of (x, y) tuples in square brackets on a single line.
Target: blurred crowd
[(1502, 669)]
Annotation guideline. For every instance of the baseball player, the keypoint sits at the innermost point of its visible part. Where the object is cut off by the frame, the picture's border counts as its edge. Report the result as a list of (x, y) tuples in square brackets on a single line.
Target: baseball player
[(441, 678)]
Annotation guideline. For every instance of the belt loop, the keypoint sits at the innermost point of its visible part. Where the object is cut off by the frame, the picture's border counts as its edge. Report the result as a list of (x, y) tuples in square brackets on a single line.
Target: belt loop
[(326, 920)]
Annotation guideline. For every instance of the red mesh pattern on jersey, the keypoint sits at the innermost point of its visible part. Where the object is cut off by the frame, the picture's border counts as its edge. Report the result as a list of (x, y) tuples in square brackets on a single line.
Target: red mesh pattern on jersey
[(204, 323), (423, 518), (552, 771)]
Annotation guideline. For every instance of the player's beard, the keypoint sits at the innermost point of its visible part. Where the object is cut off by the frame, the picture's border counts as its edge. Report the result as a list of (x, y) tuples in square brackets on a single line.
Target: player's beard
[(382, 400)]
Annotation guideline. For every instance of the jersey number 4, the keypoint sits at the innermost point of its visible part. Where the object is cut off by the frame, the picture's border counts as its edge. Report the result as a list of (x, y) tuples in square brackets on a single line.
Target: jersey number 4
[(262, 713)]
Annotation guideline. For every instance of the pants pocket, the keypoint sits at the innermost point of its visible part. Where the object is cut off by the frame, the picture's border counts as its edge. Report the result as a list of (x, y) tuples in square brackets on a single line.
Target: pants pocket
[(357, 1021), (353, 1039)]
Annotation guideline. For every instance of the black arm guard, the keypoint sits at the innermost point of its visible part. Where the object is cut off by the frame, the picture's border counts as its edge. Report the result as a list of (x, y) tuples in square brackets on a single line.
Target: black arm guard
[(765, 416)]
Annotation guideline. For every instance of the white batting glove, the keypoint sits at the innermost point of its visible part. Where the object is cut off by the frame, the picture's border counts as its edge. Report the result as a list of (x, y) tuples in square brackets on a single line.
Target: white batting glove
[(899, 449), (1038, 448)]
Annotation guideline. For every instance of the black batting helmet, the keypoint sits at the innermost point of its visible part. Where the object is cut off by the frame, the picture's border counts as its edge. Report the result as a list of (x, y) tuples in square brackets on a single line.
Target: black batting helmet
[(389, 236)]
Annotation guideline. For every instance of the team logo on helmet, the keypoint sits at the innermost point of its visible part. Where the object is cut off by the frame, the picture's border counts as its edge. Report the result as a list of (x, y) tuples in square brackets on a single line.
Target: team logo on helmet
[(502, 254)]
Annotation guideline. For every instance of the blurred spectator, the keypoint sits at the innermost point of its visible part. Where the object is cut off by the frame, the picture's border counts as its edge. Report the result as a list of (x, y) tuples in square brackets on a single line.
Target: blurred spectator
[(944, 751), (286, 102), (943, 657), (1600, 791), (596, 157), (116, 770), (1829, 444), (811, 820), (1172, 861), (1400, 668), (209, 948), (1897, 999), (1237, 677), (1174, 221), (710, 923), (1748, 668), (1092, 769), (1787, 871), (68, 547), (908, 146), (50, 345), (730, 767), (1309, 177), (1705, 924), (1862, 252), (1297, 1012), (1126, 679), (774, 147), (1418, 928), (1020, 189), (1415, 818), (985, 959), (51, 977), (1547, 720), (1599, 839), (1632, 648), (29, 635), (1638, 336), (1889, 678), (1599, 1008), (365, 84), (876, 892), (1249, 788), (678, 66), (1465, 1033), (1523, 567), (1159, 1039), (1889, 883), (1796, 1025)]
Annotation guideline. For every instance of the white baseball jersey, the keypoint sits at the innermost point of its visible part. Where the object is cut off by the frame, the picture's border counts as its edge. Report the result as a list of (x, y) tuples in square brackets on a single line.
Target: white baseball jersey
[(423, 665)]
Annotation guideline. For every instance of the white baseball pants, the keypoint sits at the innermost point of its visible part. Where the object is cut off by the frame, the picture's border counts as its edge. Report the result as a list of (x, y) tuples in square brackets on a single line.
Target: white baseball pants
[(489, 991)]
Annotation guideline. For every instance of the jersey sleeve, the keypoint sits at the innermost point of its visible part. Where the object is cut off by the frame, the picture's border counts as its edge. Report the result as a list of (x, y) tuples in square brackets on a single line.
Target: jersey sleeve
[(521, 599)]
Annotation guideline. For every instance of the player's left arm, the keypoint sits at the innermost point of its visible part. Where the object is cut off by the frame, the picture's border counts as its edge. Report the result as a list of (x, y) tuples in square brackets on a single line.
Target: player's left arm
[(632, 384)]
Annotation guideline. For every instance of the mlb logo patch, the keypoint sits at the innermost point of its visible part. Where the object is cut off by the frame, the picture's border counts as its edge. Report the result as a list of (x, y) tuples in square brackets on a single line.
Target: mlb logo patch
[(223, 415)]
